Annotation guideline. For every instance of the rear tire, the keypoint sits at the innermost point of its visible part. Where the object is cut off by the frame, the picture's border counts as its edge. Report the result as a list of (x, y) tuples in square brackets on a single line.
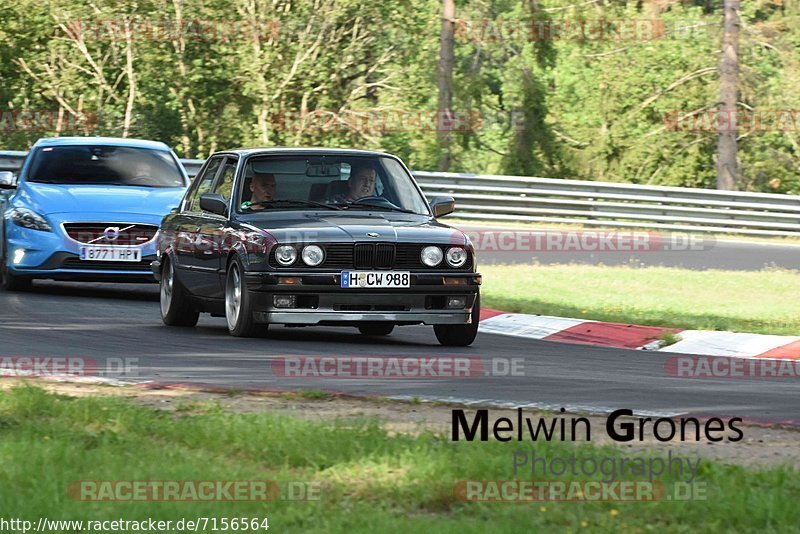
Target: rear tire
[(176, 307), (239, 304), (377, 329), (10, 281), (460, 335)]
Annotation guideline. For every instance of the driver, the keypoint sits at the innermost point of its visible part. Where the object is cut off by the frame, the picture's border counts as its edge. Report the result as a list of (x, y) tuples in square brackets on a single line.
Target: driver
[(263, 188), (142, 172), (360, 184)]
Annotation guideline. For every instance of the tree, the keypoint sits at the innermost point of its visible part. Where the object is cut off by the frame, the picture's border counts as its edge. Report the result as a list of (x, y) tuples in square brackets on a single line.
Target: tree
[(727, 163), (445, 79)]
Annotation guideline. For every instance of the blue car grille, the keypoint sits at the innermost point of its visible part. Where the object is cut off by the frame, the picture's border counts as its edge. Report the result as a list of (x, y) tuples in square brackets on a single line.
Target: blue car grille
[(111, 233)]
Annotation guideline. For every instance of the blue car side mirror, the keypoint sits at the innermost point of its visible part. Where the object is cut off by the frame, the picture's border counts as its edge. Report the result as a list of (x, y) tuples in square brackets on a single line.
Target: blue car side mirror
[(7, 180)]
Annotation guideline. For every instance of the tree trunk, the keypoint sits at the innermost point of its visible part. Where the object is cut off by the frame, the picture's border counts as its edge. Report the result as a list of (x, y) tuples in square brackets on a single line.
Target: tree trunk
[(727, 165), (445, 77)]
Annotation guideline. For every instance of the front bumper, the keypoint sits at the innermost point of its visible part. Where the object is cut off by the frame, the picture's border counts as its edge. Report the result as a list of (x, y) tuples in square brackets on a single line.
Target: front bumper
[(51, 255), (331, 318), (321, 300)]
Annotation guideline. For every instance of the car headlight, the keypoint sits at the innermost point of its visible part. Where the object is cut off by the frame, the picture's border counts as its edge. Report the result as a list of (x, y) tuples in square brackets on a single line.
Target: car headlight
[(431, 256), (313, 255), (28, 219), (286, 255), (456, 257)]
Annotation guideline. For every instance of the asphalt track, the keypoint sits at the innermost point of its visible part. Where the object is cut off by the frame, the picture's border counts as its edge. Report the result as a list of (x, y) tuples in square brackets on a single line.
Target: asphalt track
[(709, 253), (102, 321)]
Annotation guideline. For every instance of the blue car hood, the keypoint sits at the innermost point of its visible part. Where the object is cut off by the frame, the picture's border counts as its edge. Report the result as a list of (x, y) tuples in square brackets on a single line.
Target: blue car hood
[(54, 199)]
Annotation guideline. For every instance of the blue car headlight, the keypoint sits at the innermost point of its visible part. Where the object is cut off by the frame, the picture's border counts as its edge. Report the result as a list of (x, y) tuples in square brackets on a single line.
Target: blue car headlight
[(28, 219)]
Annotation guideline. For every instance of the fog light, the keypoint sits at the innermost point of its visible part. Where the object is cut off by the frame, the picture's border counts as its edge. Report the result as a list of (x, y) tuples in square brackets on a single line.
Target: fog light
[(18, 255), (456, 303), (284, 301)]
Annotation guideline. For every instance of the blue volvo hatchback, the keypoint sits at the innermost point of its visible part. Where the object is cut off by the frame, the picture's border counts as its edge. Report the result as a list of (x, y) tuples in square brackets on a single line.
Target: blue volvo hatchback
[(88, 209)]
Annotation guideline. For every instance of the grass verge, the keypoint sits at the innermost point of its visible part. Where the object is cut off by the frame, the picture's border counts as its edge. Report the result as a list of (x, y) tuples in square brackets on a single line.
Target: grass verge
[(762, 302), (369, 480)]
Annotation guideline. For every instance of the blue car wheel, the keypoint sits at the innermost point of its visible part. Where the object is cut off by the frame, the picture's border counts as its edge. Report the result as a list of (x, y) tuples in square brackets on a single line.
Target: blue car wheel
[(11, 281)]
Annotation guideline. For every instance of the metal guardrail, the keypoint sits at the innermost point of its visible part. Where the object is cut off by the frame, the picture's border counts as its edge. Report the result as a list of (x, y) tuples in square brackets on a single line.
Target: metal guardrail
[(516, 198), (192, 166), (11, 160)]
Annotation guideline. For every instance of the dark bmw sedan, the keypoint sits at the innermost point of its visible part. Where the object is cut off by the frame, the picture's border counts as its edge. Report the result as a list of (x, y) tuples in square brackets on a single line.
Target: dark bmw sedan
[(308, 237)]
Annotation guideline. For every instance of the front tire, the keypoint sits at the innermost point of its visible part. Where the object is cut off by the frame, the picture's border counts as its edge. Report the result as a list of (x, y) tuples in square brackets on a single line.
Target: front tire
[(176, 308), (10, 281), (460, 335), (239, 304)]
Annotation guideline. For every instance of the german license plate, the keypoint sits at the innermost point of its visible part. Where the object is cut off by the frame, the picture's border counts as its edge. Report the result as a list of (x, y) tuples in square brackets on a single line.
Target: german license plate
[(132, 254), (376, 279)]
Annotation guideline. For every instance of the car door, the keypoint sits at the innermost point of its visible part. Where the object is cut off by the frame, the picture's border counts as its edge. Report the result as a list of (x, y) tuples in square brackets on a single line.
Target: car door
[(188, 243), (211, 254)]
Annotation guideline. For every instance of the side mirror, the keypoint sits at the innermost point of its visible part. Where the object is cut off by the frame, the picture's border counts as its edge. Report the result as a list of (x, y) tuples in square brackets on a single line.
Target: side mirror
[(7, 180), (442, 206), (214, 203)]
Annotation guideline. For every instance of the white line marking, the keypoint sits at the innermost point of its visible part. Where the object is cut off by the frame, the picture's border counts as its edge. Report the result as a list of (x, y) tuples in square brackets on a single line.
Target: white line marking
[(494, 403)]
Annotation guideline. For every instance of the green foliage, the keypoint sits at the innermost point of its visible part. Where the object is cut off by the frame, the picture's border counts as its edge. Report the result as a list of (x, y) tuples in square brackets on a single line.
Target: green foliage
[(341, 72)]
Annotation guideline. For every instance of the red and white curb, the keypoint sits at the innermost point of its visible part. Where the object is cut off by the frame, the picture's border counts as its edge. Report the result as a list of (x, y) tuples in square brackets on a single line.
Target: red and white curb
[(629, 336)]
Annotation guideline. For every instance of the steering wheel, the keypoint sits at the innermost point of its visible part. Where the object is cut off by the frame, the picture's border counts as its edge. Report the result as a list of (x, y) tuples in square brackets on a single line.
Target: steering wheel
[(376, 200)]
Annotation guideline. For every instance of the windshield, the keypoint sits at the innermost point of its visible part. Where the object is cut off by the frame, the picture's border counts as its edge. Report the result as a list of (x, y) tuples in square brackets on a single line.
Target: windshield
[(328, 182), (105, 165)]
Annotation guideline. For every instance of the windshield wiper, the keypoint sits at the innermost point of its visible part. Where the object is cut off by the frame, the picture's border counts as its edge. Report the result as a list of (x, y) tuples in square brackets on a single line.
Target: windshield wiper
[(378, 207), (288, 203)]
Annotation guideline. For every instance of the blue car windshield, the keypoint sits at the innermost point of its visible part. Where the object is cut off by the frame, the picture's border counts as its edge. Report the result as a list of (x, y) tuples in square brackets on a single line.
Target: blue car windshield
[(105, 165)]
